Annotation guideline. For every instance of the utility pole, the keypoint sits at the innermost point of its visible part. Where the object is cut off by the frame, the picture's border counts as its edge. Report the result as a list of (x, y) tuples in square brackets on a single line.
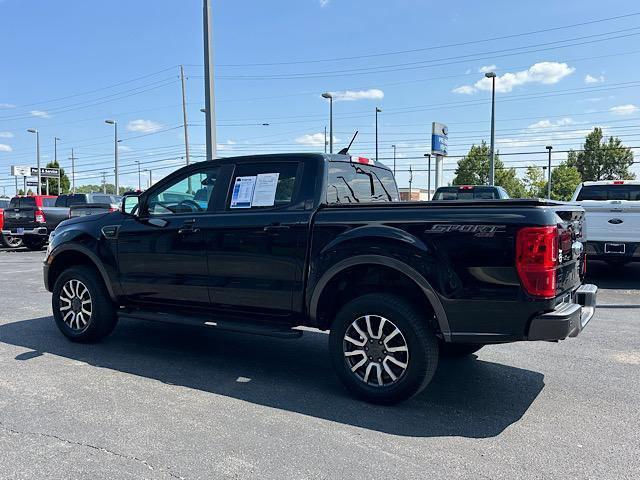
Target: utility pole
[(115, 154), (150, 177), (39, 189), (139, 182), (394, 159), (492, 159), (377, 112), (325, 139), (328, 96), (410, 180), (428, 155), (104, 182), (209, 92), (549, 147), (73, 172), (184, 116)]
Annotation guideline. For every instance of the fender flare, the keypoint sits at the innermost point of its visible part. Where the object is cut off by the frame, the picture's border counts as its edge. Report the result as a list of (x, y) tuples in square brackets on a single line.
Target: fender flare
[(389, 262), (91, 256)]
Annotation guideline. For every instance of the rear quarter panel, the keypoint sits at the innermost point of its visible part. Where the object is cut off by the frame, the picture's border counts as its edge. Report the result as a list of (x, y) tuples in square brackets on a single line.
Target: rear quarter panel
[(466, 254)]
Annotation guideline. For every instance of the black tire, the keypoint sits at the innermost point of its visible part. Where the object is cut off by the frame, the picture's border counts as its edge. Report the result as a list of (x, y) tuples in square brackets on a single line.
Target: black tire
[(421, 343), (33, 243), (10, 242), (102, 319), (457, 350)]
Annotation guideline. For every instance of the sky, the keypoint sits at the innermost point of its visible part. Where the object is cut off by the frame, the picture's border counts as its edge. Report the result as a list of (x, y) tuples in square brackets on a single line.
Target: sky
[(562, 68)]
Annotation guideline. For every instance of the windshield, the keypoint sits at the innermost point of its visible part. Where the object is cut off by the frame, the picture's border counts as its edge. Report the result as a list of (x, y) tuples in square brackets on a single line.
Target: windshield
[(609, 192)]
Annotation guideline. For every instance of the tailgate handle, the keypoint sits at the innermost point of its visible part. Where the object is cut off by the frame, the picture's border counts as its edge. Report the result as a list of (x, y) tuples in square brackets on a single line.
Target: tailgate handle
[(275, 228)]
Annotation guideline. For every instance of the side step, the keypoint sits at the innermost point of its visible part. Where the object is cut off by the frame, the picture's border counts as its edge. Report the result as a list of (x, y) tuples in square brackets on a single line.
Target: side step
[(239, 326)]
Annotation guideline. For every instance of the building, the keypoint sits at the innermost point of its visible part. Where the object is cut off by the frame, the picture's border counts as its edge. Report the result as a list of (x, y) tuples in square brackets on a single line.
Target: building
[(417, 194)]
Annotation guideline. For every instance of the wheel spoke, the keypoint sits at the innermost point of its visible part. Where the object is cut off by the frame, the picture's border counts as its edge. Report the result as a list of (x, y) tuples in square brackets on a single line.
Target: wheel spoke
[(359, 364), (396, 361), (389, 371), (390, 336), (357, 343), (401, 348), (66, 292), (355, 352), (65, 308), (66, 316), (360, 331)]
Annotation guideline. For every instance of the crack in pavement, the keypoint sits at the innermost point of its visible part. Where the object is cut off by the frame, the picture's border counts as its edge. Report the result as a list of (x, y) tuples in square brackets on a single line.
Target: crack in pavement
[(94, 447)]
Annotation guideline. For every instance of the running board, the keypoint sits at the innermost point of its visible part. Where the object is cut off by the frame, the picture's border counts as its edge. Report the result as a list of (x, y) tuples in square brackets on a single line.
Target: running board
[(238, 326)]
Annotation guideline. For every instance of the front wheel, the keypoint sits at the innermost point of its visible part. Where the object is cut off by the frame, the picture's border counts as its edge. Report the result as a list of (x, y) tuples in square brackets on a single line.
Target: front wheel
[(11, 242), (82, 308), (382, 348)]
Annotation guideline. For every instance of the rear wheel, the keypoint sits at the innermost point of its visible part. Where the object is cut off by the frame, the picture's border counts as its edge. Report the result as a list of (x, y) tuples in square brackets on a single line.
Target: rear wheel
[(82, 308), (34, 243), (458, 349), (382, 348), (11, 242)]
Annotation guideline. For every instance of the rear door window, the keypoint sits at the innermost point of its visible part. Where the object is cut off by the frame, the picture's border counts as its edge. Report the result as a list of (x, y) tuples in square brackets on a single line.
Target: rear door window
[(263, 186), (78, 199), (48, 202)]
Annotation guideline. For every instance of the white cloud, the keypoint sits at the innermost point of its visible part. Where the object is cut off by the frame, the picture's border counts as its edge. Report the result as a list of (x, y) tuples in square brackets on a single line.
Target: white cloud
[(324, 3), (7, 105), (314, 139), (124, 148), (351, 95), (144, 126), (546, 73), (39, 113), (464, 89), (591, 79), (549, 124), (228, 145), (5, 148), (627, 109), (6, 135), (487, 68)]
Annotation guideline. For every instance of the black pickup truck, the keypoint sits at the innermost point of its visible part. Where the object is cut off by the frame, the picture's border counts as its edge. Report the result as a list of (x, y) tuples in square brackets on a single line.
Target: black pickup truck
[(266, 244)]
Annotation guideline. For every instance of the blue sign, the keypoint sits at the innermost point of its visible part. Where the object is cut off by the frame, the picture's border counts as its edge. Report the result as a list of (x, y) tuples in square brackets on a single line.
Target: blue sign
[(439, 139)]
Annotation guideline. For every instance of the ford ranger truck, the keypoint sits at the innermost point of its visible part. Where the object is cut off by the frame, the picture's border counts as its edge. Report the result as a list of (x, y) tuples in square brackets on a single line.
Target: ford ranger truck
[(269, 243)]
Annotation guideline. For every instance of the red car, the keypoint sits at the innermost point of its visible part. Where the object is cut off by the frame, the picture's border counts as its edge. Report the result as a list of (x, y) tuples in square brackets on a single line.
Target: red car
[(5, 240)]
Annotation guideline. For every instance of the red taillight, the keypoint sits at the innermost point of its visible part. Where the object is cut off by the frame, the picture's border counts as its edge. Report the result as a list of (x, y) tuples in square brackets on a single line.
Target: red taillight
[(466, 187), (113, 209), (40, 218), (364, 160), (537, 260), (618, 182)]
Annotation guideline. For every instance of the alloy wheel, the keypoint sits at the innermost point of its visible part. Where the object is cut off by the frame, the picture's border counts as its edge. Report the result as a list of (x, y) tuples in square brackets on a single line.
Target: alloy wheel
[(75, 305), (375, 350)]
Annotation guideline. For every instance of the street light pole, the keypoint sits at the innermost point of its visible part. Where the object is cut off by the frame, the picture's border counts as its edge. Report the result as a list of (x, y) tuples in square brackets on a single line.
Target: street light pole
[(73, 172), (330, 97), (394, 159), (377, 112), (428, 155), (115, 152), (33, 130), (209, 93), (549, 147), (492, 165), (55, 161), (184, 117), (139, 182)]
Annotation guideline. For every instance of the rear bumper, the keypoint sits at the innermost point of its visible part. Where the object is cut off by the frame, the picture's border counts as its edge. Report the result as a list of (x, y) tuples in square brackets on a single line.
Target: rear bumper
[(599, 250), (568, 319), (16, 232)]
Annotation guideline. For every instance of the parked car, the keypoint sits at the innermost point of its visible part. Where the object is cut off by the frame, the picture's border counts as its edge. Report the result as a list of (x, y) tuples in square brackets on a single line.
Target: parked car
[(31, 218), (264, 244), (93, 204), (7, 240), (34, 221), (612, 226), (470, 192)]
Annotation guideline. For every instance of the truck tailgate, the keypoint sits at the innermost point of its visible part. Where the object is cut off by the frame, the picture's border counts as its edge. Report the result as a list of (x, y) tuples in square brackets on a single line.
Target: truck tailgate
[(571, 222), (612, 220), (23, 217)]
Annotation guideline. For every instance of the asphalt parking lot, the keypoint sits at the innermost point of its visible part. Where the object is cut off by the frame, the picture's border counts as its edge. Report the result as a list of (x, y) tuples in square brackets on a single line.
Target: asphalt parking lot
[(166, 401)]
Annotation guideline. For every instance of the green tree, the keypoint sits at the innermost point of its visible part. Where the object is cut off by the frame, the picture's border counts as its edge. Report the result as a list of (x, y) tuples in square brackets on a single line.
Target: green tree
[(473, 169), (602, 160), (535, 183), (53, 182), (110, 188), (564, 180)]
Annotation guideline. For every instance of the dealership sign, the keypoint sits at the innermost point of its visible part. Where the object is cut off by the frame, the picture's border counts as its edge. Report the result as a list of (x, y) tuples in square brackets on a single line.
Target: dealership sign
[(18, 171), (439, 139), (45, 172)]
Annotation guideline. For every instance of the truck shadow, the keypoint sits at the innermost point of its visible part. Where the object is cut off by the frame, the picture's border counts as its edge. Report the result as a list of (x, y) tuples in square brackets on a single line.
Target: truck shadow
[(614, 276), (470, 397)]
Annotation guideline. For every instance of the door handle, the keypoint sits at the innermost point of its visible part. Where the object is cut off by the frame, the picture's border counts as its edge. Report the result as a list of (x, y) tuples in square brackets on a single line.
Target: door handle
[(276, 228), (187, 228)]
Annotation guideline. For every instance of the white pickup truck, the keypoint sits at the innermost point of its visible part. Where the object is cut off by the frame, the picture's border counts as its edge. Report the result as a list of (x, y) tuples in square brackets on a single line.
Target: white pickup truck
[(612, 227)]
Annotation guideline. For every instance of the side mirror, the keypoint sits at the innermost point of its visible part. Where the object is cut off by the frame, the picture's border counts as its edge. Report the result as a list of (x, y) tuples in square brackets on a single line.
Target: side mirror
[(130, 204)]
